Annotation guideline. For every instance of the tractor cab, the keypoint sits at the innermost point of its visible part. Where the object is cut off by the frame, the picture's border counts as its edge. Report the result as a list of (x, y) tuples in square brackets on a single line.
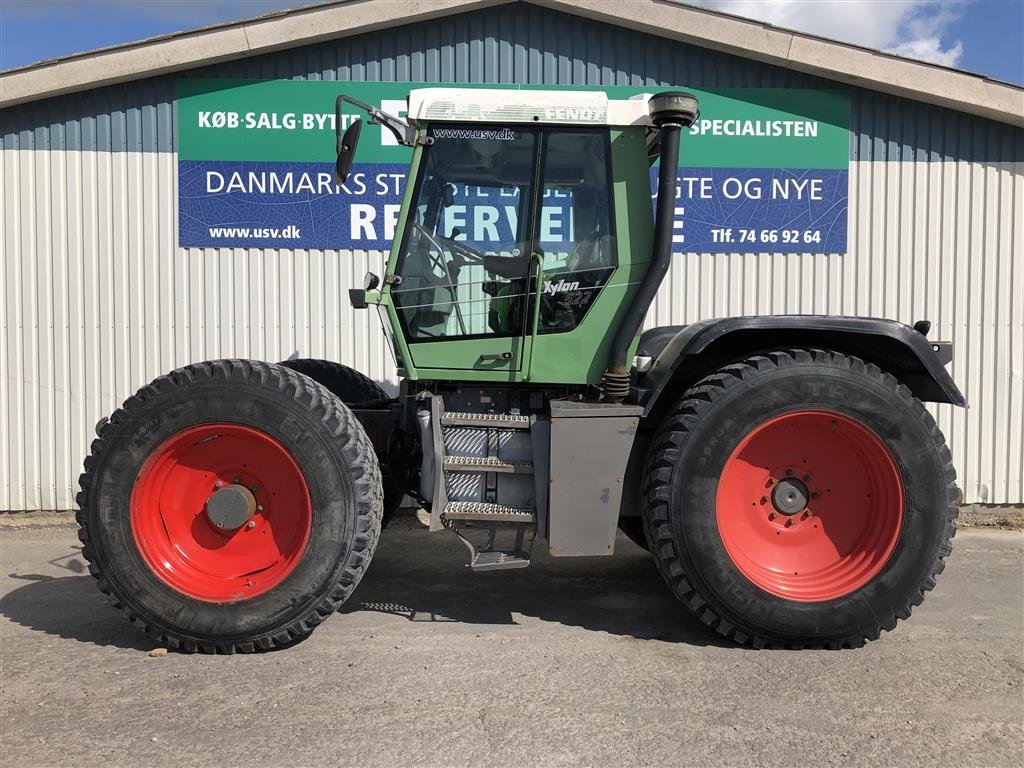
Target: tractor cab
[(525, 231)]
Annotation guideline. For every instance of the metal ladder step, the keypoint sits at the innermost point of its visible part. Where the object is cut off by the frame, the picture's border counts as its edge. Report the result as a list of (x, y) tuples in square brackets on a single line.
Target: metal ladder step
[(497, 561), (487, 464), (490, 513), (485, 420)]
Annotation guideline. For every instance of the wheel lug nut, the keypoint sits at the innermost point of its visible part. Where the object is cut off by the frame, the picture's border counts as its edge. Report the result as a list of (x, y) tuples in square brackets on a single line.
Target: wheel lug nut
[(250, 525), (259, 507), (771, 516), (814, 495), (769, 482), (789, 523), (807, 478), (218, 484), (764, 499)]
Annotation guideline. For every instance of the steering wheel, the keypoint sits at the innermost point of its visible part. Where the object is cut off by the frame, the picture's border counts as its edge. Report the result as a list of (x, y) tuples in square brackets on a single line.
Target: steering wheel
[(462, 253), (438, 261)]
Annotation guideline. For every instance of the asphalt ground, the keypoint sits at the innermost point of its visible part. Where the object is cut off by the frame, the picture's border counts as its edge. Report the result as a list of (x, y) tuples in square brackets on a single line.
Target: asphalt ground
[(568, 662)]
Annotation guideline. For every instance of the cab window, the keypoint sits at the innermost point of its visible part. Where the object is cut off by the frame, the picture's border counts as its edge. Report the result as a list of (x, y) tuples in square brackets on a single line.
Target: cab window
[(465, 260), (574, 228)]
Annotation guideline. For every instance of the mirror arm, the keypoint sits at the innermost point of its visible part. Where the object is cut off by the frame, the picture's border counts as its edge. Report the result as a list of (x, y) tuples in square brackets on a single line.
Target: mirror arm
[(403, 132)]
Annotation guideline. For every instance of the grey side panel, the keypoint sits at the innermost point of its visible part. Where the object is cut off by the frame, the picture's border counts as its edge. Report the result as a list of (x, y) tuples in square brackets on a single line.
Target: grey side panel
[(632, 483), (589, 452)]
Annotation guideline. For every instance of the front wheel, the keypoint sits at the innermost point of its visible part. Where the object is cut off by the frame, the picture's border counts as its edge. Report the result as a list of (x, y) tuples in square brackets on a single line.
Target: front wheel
[(230, 506), (800, 498)]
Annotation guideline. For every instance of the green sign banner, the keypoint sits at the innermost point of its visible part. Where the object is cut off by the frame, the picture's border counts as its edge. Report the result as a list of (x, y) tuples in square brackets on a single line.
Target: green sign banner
[(763, 169)]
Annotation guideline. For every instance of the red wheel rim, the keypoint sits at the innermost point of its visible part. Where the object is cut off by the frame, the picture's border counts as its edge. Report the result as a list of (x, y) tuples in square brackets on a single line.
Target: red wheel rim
[(810, 506), (172, 518)]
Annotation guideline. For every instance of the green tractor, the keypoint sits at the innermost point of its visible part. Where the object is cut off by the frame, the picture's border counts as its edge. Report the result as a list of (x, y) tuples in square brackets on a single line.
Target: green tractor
[(782, 470)]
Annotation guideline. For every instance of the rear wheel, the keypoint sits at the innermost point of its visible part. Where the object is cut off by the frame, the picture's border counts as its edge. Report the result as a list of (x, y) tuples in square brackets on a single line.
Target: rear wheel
[(230, 506), (800, 498), (347, 384)]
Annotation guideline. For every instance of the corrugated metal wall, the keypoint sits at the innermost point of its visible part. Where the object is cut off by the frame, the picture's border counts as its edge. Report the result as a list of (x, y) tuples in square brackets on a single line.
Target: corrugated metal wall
[(97, 298)]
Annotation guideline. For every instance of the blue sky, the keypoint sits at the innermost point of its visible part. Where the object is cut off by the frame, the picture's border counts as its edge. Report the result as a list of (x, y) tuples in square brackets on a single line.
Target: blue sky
[(978, 35)]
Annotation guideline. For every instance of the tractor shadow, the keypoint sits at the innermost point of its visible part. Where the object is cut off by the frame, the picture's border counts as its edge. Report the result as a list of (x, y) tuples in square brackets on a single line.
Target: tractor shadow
[(69, 607), (423, 577)]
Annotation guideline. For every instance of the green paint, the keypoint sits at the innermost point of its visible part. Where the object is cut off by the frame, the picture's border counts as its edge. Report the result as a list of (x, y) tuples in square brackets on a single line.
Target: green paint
[(408, 367), (292, 120), (581, 355)]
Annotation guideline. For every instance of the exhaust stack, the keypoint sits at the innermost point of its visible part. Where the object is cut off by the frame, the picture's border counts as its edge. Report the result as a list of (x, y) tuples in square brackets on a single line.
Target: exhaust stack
[(670, 111)]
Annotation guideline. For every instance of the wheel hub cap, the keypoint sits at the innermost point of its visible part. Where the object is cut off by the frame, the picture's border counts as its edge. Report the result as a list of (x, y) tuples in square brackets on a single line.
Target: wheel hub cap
[(231, 507), (790, 496)]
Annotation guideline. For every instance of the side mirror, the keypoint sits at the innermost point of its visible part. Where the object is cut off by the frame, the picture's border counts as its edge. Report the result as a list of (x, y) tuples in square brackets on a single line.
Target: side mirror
[(347, 144)]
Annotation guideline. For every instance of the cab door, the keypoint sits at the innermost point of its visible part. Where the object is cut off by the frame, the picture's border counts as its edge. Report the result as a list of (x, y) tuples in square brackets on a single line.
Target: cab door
[(460, 280), (589, 179)]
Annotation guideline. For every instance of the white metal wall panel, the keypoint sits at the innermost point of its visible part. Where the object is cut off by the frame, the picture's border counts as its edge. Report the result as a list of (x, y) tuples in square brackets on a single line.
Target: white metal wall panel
[(98, 300)]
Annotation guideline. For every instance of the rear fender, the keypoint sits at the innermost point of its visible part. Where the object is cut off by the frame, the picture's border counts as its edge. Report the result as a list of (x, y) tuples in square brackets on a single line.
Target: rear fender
[(683, 354)]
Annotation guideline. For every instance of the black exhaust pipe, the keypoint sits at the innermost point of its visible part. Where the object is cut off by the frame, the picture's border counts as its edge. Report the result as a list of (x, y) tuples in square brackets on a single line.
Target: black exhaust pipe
[(671, 112)]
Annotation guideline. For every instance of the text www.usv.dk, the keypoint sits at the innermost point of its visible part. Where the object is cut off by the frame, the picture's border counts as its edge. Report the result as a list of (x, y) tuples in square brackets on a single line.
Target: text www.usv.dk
[(291, 232)]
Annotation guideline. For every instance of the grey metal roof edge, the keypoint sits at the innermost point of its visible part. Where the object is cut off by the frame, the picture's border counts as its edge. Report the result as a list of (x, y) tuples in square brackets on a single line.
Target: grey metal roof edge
[(194, 48), (841, 62)]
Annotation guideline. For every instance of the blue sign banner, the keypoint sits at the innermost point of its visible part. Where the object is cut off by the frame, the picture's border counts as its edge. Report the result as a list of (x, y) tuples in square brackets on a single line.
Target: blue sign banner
[(760, 210), (244, 204)]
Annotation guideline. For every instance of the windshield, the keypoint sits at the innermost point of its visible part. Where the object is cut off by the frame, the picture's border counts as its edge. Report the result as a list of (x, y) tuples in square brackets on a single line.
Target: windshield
[(465, 260)]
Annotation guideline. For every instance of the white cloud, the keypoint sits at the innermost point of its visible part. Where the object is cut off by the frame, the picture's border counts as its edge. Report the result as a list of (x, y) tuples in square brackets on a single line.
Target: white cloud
[(915, 28), (930, 49)]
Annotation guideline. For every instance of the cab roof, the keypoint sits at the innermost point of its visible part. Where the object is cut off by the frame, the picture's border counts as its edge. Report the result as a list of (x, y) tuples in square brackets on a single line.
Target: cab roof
[(541, 107)]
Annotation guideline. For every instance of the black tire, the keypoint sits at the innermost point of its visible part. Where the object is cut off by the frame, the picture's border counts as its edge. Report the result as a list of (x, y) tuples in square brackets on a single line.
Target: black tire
[(633, 527), (355, 388), (348, 384), (330, 449), (681, 482)]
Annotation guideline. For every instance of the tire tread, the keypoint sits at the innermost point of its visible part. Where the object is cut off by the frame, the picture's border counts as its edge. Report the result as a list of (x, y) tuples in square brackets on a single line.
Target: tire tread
[(340, 422), (668, 443)]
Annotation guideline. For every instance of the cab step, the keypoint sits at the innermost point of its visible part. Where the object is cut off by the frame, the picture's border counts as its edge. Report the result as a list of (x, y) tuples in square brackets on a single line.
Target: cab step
[(498, 561), (463, 511), (485, 420), (487, 464)]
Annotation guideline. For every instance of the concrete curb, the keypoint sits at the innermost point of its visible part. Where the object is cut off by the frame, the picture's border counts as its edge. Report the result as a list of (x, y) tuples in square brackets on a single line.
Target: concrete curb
[(1007, 516)]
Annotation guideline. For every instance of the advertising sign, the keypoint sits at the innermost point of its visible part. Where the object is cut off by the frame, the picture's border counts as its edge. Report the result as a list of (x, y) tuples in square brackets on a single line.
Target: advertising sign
[(764, 170)]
